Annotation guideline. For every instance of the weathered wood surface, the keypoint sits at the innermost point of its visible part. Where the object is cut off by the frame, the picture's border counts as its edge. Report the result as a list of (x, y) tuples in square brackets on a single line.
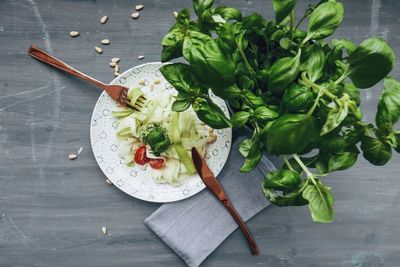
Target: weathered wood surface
[(52, 209)]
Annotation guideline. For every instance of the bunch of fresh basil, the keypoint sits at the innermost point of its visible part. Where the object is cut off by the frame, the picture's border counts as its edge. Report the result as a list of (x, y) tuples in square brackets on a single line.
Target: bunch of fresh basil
[(299, 93)]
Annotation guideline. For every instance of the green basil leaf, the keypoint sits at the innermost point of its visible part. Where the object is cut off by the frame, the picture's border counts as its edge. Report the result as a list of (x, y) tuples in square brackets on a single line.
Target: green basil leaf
[(337, 114), (250, 162), (157, 138), (211, 114), (283, 180), (228, 13), (200, 6), (265, 114), (285, 43), (254, 155), (264, 130), (183, 17), (180, 105), (210, 65), (371, 53), (278, 35), (321, 163), (320, 202), (398, 143), (299, 35), (376, 151), (335, 142), (244, 147), (314, 62), (353, 92), (173, 40), (291, 133), (389, 103), (291, 199), (333, 57), (390, 139), (283, 72), (298, 98), (240, 118), (283, 8), (342, 160), (226, 38), (172, 44), (254, 100), (324, 20), (255, 23), (245, 82), (180, 76), (349, 45)]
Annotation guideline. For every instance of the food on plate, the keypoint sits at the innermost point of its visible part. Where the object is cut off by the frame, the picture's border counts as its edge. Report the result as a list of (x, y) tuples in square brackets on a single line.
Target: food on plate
[(159, 137)]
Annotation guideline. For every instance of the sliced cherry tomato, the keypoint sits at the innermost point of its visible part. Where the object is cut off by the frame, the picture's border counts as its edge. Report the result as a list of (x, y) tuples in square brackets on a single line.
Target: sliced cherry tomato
[(156, 163), (140, 156)]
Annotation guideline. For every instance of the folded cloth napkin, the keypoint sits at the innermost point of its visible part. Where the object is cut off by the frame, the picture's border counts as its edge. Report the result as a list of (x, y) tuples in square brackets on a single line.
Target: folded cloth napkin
[(196, 226)]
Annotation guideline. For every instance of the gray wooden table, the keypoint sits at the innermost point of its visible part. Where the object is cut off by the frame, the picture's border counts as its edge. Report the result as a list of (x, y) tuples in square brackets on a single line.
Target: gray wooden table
[(52, 209)]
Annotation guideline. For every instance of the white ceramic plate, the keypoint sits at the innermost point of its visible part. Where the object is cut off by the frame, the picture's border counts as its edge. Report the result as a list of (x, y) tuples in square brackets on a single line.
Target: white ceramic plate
[(137, 181)]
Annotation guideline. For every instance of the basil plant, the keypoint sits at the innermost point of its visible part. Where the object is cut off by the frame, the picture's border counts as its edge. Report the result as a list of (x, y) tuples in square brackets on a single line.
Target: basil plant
[(299, 93)]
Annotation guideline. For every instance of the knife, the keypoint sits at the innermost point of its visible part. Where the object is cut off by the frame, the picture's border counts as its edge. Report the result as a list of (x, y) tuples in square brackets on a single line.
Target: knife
[(216, 189)]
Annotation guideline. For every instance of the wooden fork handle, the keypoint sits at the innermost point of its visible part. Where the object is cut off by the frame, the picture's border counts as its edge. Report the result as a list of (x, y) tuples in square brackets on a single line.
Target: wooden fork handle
[(250, 240), (45, 57)]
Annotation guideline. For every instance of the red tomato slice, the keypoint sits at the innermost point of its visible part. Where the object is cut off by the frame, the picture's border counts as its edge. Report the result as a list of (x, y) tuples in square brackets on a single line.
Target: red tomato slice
[(156, 163), (140, 156)]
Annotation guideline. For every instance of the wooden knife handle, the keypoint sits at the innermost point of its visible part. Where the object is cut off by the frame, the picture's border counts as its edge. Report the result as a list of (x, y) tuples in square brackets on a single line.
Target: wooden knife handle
[(252, 243), (45, 57)]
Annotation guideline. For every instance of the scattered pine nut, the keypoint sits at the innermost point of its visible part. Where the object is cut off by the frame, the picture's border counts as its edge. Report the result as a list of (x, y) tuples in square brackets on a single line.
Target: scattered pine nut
[(211, 138), (139, 7), (105, 42), (116, 68), (98, 50), (113, 64), (115, 59), (151, 87), (72, 156), (141, 82), (157, 81), (74, 34), (175, 14), (104, 230), (140, 57), (210, 130), (116, 74), (108, 182), (135, 15), (103, 19)]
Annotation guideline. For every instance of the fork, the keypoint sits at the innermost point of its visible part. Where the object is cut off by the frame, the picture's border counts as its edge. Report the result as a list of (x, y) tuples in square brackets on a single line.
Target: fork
[(117, 92)]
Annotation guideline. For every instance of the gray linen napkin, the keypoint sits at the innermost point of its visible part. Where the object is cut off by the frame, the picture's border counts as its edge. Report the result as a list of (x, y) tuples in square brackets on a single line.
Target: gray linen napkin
[(193, 228)]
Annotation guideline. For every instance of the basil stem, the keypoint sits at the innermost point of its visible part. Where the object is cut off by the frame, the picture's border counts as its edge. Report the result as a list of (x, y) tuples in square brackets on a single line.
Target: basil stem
[(343, 76), (317, 87), (304, 168), (287, 163), (291, 25)]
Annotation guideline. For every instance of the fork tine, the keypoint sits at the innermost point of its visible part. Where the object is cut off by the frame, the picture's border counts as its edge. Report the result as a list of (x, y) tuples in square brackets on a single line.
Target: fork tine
[(128, 104)]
